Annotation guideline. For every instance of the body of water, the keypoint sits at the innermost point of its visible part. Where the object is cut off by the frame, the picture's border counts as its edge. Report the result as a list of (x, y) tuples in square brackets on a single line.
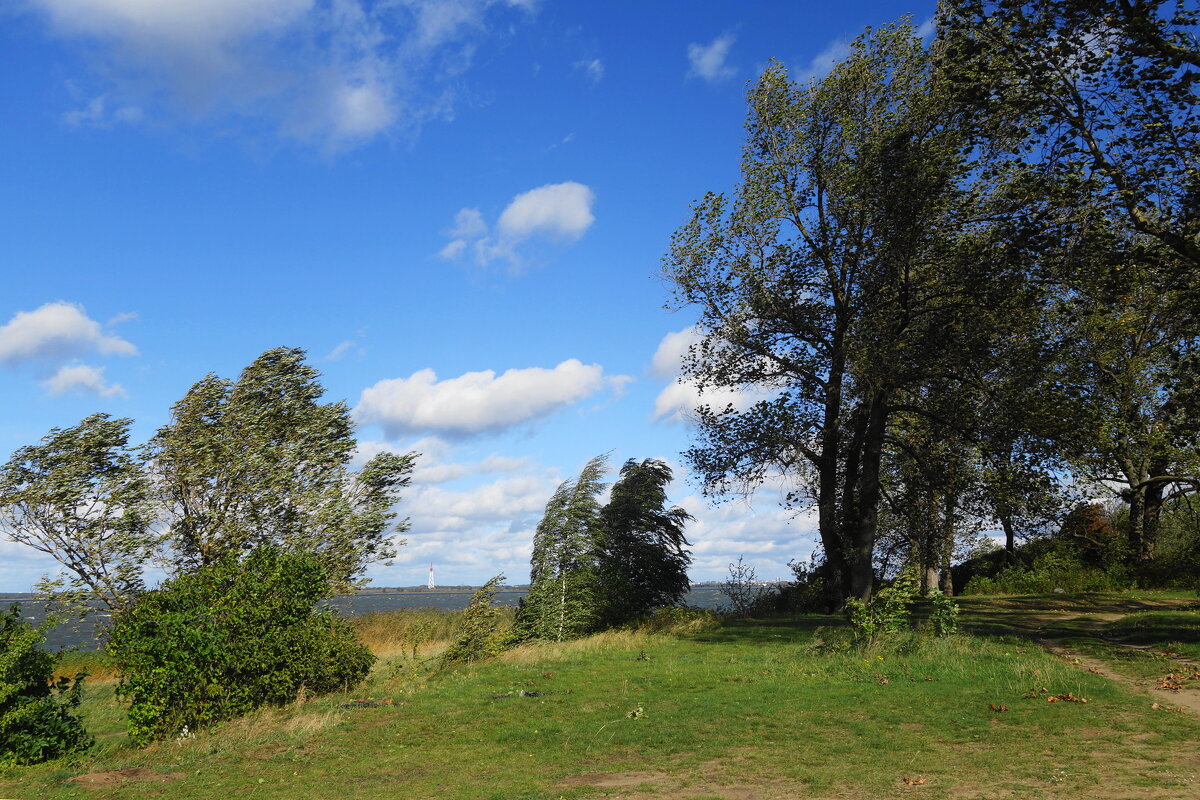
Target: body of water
[(83, 633)]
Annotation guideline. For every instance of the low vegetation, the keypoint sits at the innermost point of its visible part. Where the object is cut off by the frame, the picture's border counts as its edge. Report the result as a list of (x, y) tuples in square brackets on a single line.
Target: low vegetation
[(687, 704)]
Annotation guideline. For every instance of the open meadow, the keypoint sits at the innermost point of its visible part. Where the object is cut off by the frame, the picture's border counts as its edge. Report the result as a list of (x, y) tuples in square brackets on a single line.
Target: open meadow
[(706, 708)]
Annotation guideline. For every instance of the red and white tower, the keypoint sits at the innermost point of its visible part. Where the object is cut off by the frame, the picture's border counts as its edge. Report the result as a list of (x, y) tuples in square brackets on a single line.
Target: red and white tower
[(431, 584)]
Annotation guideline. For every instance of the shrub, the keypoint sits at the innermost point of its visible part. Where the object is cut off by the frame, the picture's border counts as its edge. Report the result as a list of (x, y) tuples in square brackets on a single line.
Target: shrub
[(943, 613), (888, 610), (481, 636), (1053, 569), (37, 722), (742, 589), (228, 638)]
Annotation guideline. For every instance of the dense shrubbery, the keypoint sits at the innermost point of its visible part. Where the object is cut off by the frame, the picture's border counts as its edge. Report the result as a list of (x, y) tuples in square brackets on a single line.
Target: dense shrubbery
[(37, 722), (230, 637), (1050, 570)]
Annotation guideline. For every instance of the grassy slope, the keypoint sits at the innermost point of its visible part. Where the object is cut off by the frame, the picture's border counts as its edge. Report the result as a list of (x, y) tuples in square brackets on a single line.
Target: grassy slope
[(750, 710)]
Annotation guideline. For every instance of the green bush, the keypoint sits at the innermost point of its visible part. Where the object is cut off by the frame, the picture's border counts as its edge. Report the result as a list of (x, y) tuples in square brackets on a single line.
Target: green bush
[(943, 613), (37, 722), (1054, 569), (228, 638), (887, 611), (481, 636)]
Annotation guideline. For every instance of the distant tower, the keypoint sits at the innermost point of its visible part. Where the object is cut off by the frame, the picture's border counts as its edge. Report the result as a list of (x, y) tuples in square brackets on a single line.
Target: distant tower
[(431, 584)]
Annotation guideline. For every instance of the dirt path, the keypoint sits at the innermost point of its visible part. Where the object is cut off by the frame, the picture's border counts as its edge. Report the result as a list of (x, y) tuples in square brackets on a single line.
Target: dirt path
[(1183, 695)]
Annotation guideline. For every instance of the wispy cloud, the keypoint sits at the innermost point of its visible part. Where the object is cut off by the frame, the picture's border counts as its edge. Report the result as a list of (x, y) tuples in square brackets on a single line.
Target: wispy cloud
[(593, 68), (329, 72), (82, 379), (710, 61)]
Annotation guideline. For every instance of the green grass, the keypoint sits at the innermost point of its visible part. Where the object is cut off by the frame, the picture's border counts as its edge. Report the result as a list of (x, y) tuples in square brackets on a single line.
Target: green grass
[(749, 709)]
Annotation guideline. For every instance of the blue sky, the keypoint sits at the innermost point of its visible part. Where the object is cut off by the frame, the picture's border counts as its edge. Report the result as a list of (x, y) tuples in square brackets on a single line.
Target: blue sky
[(458, 208)]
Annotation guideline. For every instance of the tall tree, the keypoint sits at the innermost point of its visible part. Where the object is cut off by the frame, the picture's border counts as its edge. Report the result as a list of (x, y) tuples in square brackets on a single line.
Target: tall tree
[(643, 558), (81, 496), (262, 461), (844, 276), (563, 601)]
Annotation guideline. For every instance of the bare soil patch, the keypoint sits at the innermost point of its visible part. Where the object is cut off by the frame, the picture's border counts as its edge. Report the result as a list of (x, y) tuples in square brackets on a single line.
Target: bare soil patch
[(103, 780)]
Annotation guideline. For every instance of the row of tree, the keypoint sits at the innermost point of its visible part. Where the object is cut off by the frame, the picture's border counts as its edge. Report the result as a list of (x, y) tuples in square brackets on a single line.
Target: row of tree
[(240, 465), (965, 275)]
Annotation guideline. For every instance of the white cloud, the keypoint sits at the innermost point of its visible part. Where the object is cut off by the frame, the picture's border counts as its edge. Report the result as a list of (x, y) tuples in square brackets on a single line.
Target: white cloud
[(555, 212), (679, 399), (826, 60), (57, 332), (593, 68), (82, 378), (476, 402), (556, 209), (333, 73), (708, 61)]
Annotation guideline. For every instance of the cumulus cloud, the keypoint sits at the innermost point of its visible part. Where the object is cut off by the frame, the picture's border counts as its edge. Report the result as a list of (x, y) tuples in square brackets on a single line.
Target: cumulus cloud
[(57, 332), (476, 402), (82, 378), (593, 68), (708, 61), (555, 212), (336, 72), (679, 399)]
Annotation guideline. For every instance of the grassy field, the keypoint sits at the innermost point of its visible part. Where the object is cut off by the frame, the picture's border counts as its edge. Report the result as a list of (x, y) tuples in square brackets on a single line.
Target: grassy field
[(745, 710)]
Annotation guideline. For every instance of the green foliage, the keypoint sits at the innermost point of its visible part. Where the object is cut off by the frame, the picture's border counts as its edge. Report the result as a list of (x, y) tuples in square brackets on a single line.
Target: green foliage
[(1053, 569), (262, 461), (887, 611), (481, 635), (642, 560), (679, 621), (563, 601), (230, 637), (81, 497), (594, 568), (37, 719), (943, 613)]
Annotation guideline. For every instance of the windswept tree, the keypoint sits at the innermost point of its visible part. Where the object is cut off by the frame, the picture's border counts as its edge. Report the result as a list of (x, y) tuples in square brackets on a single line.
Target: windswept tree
[(643, 559), (563, 601), (261, 461), (82, 497)]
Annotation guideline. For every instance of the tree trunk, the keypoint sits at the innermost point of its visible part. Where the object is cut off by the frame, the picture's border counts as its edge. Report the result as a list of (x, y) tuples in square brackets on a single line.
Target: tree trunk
[(1152, 503), (1010, 536), (862, 567)]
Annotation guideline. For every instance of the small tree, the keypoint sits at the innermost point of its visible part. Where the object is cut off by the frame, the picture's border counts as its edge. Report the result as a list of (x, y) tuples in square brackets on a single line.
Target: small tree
[(81, 496), (37, 719), (481, 637), (742, 588)]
